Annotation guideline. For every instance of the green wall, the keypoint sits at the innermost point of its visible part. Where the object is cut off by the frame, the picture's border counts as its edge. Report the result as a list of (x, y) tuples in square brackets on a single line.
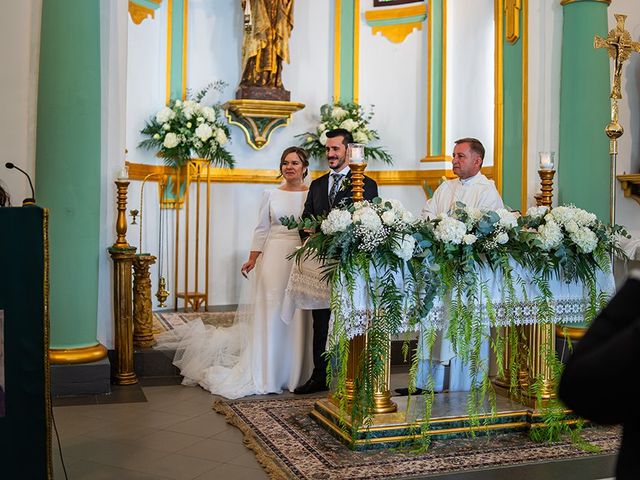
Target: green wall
[(583, 161)]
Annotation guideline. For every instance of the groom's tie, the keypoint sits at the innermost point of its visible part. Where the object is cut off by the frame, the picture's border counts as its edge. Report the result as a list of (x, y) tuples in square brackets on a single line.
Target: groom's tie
[(334, 188)]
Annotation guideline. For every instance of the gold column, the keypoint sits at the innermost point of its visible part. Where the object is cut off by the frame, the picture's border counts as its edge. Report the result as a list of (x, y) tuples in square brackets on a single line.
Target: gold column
[(123, 255), (142, 314)]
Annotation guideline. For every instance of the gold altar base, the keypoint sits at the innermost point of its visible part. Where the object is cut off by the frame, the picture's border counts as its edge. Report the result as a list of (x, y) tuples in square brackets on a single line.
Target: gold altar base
[(449, 420)]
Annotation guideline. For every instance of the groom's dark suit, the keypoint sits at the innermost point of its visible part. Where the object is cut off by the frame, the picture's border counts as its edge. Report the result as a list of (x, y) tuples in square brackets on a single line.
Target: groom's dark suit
[(317, 203)]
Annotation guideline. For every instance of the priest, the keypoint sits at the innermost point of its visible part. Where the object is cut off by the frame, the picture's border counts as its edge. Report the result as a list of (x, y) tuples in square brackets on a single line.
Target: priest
[(475, 190)]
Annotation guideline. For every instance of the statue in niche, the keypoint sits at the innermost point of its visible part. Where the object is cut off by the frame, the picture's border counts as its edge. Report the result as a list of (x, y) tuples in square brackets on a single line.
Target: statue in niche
[(267, 27)]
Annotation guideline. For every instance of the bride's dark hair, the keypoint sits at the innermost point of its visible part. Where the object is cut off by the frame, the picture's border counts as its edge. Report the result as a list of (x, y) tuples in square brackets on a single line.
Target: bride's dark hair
[(302, 155)]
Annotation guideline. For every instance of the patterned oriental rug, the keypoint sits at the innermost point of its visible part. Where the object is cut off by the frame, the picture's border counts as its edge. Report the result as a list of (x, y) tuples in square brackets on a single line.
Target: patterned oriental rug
[(290, 445)]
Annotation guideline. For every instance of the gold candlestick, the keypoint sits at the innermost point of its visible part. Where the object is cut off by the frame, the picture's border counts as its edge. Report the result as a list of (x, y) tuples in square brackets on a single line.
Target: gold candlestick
[(121, 219), (382, 395), (546, 182), (122, 255)]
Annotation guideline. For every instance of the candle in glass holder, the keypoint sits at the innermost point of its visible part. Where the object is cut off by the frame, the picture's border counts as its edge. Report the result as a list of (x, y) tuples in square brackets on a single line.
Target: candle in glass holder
[(124, 173), (546, 160), (356, 152)]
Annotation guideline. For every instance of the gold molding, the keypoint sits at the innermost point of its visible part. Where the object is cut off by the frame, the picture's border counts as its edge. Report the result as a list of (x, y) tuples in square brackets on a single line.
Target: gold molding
[(138, 13), (513, 8), (244, 112), (567, 2), (574, 333), (630, 184), (525, 106), (336, 50), (356, 51), (443, 121), (396, 33), (168, 56), (499, 96), (62, 356), (138, 171)]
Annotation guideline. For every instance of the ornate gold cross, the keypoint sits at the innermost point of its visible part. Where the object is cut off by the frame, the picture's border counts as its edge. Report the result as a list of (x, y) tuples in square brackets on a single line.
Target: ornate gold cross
[(620, 46)]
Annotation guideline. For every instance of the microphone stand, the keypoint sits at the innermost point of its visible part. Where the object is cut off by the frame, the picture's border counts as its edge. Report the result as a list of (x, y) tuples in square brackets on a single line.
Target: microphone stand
[(30, 200)]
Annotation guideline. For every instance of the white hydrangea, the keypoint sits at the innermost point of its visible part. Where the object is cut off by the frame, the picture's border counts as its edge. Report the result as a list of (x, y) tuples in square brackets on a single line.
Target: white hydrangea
[(349, 124), (550, 235), (190, 108), (571, 226), (584, 218), (221, 137), (336, 221), (537, 212), (469, 239), (585, 239), (204, 132), (164, 115), (502, 238), (368, 219), (338, 113), (360, 137), (450, 230), (507, 219), (208, 113), (171, 140), (404, 248)]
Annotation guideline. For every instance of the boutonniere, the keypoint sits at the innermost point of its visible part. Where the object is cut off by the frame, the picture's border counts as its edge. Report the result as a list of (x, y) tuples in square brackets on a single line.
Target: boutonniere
[(346, 184)]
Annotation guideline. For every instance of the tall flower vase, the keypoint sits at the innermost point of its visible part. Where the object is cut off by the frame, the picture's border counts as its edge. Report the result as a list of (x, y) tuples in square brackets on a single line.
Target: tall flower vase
[(190, 249)]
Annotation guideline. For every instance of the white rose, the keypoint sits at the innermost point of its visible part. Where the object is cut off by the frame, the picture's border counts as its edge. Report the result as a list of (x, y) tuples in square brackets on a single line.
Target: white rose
[(338, 113), (360, 137), (178, 103), (507, 219), (189, 125), (502, 238), (221, 137), (204, 132), (407, 217), (170, 140), (164, 115), (323, 138), (156, 136), (322, 127), (389, 217), (166, 126), (349, 124), (469, 239), (200, 119)]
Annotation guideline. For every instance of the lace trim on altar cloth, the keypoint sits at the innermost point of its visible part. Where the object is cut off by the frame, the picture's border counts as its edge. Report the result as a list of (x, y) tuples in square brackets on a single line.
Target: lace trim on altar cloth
[(570, 310)]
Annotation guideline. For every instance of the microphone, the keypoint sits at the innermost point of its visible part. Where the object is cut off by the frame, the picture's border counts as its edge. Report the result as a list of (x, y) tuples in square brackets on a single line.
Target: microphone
[(26, 201)]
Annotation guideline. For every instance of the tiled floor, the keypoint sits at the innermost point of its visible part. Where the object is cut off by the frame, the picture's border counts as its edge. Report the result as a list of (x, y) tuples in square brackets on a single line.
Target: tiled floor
[(176, 435)]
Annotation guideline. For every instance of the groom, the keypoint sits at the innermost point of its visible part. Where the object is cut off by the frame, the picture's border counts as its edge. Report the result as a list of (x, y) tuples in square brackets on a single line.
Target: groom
[(324, 194)]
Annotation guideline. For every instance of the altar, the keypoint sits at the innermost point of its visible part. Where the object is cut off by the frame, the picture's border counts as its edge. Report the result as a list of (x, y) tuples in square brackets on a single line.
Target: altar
[(532, 311)]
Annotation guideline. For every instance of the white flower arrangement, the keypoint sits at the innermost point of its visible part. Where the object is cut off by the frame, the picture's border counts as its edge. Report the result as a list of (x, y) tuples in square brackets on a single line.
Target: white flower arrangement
[(187, 129), (351, 117)]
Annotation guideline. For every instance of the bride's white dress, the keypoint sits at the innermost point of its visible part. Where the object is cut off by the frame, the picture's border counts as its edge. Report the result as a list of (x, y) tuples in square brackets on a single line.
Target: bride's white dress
[(261, 352)]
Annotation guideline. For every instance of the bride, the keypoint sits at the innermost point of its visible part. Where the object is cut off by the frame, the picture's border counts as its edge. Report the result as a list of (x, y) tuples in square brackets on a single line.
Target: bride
[(261, 352)]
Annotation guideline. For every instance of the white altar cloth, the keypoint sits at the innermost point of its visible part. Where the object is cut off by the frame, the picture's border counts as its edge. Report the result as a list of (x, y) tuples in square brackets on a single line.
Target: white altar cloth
[(307, 290)]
